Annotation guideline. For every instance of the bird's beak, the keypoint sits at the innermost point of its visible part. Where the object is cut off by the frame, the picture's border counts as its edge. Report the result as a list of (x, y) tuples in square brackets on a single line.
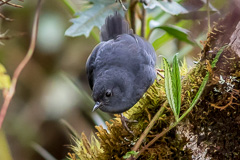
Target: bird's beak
[(96, 106)]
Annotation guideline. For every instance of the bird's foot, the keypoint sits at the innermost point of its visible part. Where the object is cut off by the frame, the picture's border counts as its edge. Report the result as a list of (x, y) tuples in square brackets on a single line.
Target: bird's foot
[(125, 121), (159, 72)]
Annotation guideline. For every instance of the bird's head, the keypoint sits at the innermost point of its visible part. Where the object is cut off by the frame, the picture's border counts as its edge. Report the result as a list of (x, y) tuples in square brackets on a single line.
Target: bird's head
[(113, 94)]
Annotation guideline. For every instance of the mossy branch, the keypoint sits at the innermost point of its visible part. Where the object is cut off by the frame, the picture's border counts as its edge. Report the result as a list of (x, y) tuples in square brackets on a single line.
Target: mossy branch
[(116, 142)]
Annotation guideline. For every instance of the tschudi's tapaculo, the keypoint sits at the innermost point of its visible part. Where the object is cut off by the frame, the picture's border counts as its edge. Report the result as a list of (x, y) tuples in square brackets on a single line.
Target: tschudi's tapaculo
[(121, 67)]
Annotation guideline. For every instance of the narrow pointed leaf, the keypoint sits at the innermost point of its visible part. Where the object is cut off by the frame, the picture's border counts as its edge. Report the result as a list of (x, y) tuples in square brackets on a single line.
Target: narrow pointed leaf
[(169, 86), (177, 32), (204, 83), (215, 60), (176, 84), (161, 41)]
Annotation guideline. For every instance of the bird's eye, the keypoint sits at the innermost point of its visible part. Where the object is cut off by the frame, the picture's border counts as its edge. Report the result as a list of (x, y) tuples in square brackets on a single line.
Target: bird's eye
[(108, 93)]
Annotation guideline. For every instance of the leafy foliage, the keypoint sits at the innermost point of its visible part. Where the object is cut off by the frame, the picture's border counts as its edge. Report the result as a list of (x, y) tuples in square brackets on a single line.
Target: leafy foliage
[(94, 16), (172, 31), (173, 85), (129, 154), (172, 7), (178, 32)]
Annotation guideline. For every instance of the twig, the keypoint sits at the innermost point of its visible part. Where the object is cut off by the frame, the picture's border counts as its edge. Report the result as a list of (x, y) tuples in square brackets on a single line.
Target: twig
[(208, 14), (157, 137), (14, 5), (11, 91), (4, 2), (230, 103), (149, 127), (132, 14), (11, 4), (124, 8), (149, 34), (12, 36), (143, 22), (5, 18)]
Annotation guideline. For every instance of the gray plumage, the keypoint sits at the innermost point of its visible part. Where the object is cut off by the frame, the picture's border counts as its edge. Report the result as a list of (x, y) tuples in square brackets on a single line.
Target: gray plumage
[(121, 68)]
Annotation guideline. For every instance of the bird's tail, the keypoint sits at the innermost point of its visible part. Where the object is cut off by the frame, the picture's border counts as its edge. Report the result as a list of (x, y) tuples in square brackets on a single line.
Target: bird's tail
[(114, 25)]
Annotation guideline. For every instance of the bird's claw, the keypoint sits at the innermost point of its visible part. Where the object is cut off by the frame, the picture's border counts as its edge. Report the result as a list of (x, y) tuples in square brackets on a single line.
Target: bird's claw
[(159, 72), (124, 123)]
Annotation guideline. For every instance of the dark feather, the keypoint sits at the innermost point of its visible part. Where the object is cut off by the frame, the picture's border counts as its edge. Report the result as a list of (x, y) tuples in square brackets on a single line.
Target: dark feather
[(114, 25), (90, 65)]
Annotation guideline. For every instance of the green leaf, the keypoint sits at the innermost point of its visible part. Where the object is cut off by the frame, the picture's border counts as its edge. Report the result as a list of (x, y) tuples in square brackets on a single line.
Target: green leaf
[(177, 32), (94, 16), (177, 86), (215, 60), (204, 82), (157, 43), (161, 41), (129, 154), (172, 7), (169, 87)]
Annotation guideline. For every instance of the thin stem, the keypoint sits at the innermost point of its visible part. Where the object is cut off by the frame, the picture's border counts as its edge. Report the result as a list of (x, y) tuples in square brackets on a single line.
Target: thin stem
[(132, 14), (208, 13), (149, 127), (12, 36), (157, 137), (4, 2), (70, 6), (10, 4), (143, 22), (149, 34), (198, 95), (124, 8), (14, 5), (20, 67), (5, 18)]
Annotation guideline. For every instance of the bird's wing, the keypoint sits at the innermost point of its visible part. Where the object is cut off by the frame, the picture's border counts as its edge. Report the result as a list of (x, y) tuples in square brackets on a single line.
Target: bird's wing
[(90, 65), (146, 51)]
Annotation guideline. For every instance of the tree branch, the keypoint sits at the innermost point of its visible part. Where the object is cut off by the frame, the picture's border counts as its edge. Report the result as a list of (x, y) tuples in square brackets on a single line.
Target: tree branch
[(11, 91)]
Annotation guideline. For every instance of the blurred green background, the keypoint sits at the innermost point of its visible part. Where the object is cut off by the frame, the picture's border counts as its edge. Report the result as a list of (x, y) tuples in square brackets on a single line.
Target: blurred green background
[(53, 86)]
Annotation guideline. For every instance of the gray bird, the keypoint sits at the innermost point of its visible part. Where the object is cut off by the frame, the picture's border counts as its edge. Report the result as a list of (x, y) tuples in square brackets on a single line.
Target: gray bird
[(121, 67)]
